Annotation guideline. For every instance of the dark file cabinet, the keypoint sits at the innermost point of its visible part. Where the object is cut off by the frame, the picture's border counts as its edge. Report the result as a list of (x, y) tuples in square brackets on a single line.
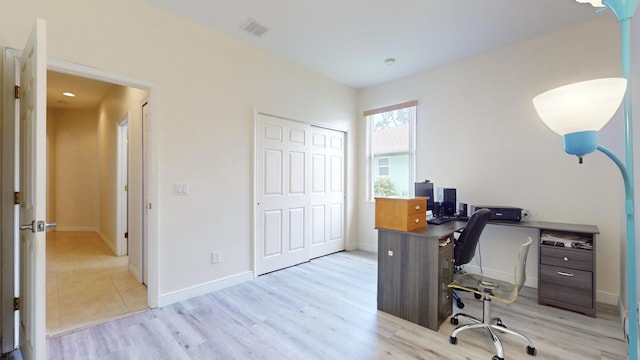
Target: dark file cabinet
[(567, 277), (414, 272)]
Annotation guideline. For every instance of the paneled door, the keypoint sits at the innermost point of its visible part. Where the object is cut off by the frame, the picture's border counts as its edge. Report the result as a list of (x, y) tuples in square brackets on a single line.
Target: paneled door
[(282, 187), (299, 182), (32, 198), (327, 191)]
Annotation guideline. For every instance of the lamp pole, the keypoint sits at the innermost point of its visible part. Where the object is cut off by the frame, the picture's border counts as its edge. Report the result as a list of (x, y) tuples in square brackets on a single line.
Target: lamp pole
[(624, 10)]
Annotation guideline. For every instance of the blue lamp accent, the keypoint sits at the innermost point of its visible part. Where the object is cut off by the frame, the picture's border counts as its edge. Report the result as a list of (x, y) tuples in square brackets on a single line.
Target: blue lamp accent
[(580, 139), (580, 143), (624, 10)]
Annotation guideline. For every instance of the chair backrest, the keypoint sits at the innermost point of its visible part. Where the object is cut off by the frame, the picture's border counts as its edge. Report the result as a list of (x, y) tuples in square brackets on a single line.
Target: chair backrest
[(521, 264), (465, 246)]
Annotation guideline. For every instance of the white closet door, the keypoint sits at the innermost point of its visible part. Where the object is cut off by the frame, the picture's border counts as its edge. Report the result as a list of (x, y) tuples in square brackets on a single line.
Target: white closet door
[(282, 233), (327, 191)]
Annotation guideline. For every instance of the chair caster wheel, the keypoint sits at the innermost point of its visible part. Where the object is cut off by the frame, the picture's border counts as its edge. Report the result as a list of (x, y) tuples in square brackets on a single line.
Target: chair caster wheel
[(460, 304), (477, 296), (453, 340), (531, 350), (454, 321), (499, 323), (496, 357)]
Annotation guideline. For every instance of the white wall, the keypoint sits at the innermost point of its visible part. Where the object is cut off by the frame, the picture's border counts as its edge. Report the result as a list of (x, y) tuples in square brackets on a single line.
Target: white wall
[(206, 86), (478, 132)]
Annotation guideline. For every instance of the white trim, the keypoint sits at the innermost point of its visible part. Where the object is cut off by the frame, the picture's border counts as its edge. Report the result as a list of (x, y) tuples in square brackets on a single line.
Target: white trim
[(109, 244), (368, 247), (201, 289), (97, 74), (607, 298), (256, 112), (134, 271), (122, 168)]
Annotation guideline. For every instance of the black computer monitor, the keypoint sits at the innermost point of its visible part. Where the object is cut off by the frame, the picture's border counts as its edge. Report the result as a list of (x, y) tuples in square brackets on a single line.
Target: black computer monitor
[(425, 189)]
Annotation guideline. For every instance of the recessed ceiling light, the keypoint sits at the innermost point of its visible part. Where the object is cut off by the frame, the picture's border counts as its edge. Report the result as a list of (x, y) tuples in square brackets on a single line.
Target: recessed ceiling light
[(69, 94), (390, 61)]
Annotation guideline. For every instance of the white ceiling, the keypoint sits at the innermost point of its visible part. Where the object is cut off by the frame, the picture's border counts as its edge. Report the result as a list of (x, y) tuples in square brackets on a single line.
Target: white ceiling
[(349, 40), (88, 92)]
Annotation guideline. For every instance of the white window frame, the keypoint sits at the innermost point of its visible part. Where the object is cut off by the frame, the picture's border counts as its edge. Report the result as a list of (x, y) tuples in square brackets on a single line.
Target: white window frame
[(411, 151)]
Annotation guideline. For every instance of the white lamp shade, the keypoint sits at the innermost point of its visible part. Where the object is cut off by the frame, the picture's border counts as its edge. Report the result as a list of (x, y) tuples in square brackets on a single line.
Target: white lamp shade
[(582, 106), (594, 3)]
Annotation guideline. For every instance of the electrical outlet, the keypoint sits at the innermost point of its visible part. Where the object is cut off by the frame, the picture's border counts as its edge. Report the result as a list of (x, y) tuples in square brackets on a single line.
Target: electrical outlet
[(216, 257)]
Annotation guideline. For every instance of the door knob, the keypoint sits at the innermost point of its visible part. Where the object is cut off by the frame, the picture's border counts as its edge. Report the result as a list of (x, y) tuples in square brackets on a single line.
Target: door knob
[(38, 226), (31, 226), (43, 225)]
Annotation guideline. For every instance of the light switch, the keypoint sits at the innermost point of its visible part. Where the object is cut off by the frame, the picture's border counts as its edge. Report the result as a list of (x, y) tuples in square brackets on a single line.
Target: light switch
[(182, 189)]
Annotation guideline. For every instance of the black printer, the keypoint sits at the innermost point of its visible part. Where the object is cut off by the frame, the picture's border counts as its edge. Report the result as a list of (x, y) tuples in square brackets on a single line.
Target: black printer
[(501, 213)]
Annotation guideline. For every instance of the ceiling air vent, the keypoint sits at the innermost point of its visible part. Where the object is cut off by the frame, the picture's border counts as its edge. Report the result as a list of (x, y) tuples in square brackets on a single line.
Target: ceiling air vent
[(251, 26)]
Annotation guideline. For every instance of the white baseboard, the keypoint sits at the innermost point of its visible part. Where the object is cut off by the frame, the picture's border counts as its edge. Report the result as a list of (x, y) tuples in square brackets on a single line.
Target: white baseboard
[(107, 242), (188, 293), (135, 273), (368, 247), (607, 298)]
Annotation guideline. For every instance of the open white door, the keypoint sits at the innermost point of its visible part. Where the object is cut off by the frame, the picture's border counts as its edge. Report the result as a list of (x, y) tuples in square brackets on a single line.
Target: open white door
[(33, 168)]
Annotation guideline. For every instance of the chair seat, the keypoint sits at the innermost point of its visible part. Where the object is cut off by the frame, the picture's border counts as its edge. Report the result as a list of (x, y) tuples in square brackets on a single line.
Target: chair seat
[(486, 286)]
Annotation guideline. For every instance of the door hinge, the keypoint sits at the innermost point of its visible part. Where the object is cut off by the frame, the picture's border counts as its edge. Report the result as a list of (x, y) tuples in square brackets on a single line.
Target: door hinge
[(126, 235), (16, 198), (16, 304), (16, 92), (126, 188)]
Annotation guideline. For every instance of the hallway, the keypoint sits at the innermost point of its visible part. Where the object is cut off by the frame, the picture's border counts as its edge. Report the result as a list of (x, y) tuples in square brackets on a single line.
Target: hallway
[(87, 284)]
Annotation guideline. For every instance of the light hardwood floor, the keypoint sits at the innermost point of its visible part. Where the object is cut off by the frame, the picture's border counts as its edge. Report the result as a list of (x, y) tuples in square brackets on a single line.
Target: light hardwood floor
[(326, 309), (86, 283)]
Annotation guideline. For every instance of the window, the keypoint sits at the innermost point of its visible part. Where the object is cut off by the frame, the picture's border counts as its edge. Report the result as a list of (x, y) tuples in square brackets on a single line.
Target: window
[(391, 150)]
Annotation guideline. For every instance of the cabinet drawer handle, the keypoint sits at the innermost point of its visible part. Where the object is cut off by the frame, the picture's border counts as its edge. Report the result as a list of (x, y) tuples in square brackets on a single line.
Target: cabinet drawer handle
[(417, 220), (566, 258), (417, 207), (562, 273)]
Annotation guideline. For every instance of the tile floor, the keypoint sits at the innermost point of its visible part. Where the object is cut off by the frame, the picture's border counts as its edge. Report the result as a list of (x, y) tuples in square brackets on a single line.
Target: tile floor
[(87, 284)]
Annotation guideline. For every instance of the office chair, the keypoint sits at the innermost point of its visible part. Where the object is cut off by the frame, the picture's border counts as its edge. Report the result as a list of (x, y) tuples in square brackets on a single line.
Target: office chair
[(491, 288), (465, 246)]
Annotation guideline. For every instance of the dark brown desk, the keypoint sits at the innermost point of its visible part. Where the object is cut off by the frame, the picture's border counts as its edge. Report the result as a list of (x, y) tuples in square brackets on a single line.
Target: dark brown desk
[(414, 272)]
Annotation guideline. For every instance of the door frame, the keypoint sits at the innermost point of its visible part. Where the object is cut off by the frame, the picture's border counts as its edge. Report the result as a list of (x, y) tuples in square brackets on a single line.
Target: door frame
[(122, 184), (9, 272), (10, 213)]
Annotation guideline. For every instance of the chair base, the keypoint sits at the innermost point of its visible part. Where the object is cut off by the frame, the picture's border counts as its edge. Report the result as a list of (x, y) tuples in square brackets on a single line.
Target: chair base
[(491, 325)]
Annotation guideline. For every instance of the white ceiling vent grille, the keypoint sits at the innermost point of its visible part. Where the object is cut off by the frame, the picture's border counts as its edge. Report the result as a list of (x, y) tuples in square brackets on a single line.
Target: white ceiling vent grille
[(253, 27)]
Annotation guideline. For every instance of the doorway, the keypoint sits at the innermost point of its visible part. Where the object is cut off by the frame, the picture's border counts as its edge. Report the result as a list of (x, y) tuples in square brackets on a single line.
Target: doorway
[(91, 275)]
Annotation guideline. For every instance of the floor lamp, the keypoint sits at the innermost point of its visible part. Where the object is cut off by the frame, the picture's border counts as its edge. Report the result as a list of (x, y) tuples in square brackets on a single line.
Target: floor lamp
[(578, 111)]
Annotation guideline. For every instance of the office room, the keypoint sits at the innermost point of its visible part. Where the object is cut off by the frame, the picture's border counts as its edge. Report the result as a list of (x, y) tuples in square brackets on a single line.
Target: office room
[(477, 131)]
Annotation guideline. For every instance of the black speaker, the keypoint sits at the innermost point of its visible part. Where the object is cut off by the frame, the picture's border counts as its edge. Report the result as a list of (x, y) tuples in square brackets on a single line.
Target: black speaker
[(437, 208), (462, 210), (448, 202)]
